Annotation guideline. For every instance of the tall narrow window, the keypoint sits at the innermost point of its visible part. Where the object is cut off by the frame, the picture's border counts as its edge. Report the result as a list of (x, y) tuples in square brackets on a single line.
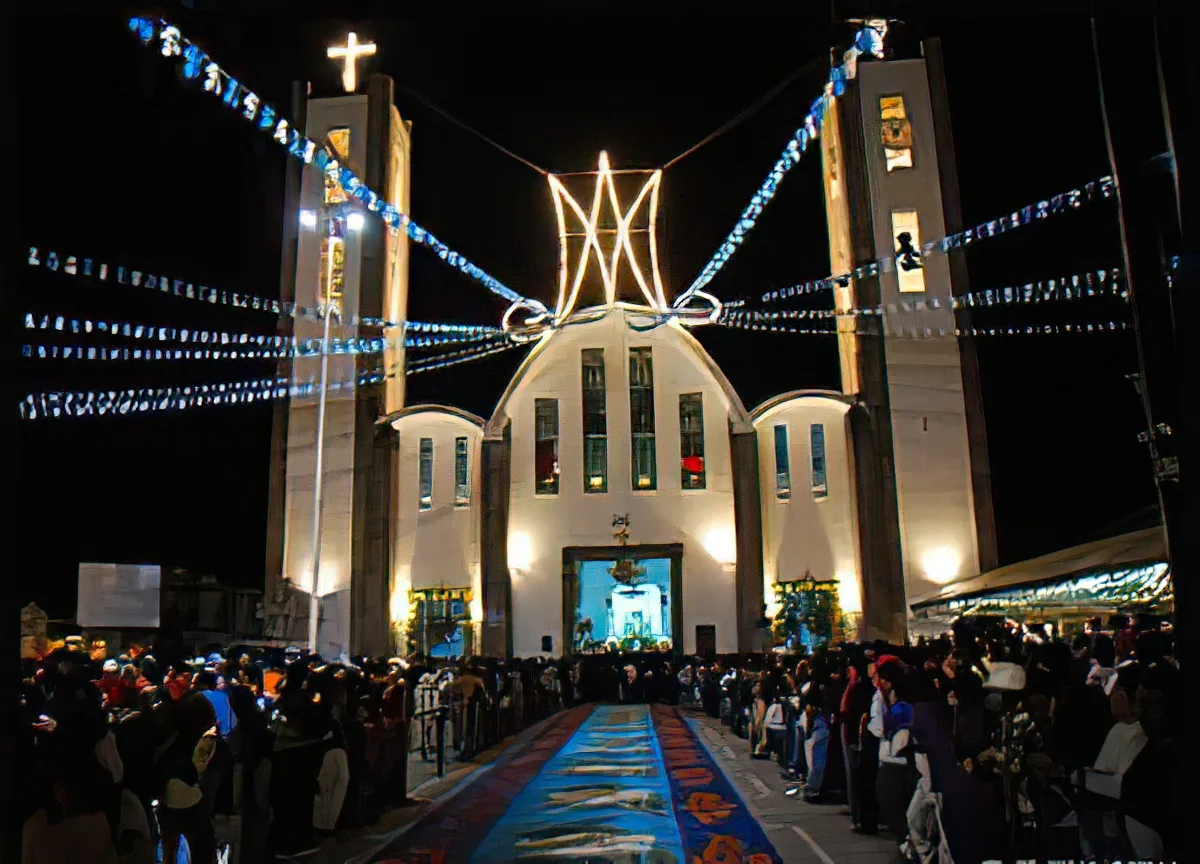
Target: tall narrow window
[(783, 474), (545, 452), (819, 487), (691, 440), (595, 422), (462, 474), (906, 236), (641, 419), (897, 133), (332, 274), (425, 476)]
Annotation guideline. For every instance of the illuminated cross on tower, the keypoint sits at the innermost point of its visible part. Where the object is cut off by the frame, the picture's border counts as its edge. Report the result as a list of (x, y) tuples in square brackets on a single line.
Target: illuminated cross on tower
[(349, 54)]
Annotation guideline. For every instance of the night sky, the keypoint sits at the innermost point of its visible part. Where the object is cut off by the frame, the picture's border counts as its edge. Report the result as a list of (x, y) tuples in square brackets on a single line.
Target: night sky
[(123, 162)]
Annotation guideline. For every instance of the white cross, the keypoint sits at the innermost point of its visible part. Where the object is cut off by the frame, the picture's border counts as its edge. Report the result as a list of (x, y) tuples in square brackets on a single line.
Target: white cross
[(350, 52)]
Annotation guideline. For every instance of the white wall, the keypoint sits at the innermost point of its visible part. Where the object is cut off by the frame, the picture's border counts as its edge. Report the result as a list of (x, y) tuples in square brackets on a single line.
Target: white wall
[(929, 425), (541, 525), (804, 532), (438, 547)]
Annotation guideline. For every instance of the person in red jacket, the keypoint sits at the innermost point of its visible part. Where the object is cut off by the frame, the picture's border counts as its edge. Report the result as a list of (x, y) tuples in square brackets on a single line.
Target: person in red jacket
[(110, 684)]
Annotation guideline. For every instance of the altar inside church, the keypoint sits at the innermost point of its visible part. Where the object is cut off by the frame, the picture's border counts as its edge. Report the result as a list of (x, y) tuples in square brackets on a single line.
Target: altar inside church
[(618, 611)]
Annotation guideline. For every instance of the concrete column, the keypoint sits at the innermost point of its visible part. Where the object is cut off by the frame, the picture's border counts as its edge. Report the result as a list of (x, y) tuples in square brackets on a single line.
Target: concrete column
[(374, 445), (884, 615), (370, 581), (747, 521), (496, 465)]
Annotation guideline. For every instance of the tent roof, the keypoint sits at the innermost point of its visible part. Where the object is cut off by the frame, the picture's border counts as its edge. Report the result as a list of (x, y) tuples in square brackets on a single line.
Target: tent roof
[(1135, 548)]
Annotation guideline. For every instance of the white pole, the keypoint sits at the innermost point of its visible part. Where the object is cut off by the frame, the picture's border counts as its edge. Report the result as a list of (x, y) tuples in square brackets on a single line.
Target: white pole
[(314, 603)]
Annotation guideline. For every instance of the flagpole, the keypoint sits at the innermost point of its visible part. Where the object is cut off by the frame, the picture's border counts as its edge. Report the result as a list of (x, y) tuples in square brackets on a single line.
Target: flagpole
[(314, 603)]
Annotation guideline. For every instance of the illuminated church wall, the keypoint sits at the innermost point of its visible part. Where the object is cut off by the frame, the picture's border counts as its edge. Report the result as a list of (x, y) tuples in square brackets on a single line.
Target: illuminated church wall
[(540, 525), (808, 506), (436, 535)]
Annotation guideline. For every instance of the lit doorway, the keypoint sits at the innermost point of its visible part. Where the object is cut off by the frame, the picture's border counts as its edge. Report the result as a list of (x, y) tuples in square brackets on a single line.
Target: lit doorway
[(634, 605)]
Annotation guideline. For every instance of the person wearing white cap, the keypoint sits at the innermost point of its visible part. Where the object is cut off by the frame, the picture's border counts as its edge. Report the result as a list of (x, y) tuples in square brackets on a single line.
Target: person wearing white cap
[(110, 684)]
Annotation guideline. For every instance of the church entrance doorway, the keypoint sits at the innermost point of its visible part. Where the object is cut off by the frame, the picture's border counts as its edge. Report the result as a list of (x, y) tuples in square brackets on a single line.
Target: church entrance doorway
[(628, 596)]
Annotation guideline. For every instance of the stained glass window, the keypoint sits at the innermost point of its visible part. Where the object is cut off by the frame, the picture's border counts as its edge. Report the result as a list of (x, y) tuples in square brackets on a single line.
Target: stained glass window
[(897, 133), (595, 422), (783, 473), (339, 142), (333, 225), (644, 473), (425, 474), (820, 488), (691, 440), (545, 453), (462, 476)]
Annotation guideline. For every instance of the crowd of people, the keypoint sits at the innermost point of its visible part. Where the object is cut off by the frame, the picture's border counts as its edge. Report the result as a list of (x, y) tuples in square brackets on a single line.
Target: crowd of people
[(242, 759), (995, 743)]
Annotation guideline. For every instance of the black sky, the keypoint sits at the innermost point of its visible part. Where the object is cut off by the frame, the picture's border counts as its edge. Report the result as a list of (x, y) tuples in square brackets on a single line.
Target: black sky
[(123, 162)]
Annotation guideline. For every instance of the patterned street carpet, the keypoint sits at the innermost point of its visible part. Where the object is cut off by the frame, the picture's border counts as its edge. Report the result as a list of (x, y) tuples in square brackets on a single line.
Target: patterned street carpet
[(605, 785)]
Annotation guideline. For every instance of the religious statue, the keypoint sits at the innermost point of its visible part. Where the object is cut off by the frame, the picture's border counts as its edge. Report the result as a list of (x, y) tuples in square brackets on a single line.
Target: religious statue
[(282, 611), (626, 571)]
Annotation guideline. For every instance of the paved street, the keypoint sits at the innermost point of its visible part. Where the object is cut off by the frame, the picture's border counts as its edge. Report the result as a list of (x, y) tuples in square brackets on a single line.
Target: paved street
[(802, 833), (616, 783)]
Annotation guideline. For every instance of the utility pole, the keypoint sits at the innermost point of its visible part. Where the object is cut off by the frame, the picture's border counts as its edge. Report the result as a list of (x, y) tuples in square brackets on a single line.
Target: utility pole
[(1138, 127)]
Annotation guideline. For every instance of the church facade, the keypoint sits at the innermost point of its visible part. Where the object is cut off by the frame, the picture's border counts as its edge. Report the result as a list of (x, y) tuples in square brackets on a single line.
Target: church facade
[(621, 491), (603, 423)]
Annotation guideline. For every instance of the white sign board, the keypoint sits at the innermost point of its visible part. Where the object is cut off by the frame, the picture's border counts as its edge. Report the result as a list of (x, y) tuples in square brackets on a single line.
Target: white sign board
[(119, 595)]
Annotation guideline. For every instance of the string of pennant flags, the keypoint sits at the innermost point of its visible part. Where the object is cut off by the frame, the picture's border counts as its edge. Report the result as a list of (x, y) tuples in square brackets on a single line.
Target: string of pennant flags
[(280, 346), (453, 358), (83, 403), (198, 67), (868, 40), (1094, 283), (88, 268), (105, 352), (1064, 202), (915, 332)]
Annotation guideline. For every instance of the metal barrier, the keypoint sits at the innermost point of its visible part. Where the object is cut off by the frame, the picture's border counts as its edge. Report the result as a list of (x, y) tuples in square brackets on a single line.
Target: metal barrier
[(493, 713), (439, 723)]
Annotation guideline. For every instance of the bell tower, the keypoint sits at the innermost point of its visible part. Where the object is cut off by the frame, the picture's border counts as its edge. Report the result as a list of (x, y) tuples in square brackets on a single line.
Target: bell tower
[(924, 488), (340, 262)]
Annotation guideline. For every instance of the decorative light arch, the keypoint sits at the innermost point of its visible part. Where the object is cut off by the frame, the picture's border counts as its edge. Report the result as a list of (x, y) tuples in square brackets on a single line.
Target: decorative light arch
[(651, 288)]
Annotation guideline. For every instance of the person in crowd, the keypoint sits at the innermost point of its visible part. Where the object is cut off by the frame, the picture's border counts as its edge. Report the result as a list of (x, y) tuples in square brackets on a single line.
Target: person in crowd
[(148, 674), (184, 758), (896, 778), (855, 708), (110, 684), (1103, 671), (68, 829), (1154, 812), (762, 695), (324, 745)]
